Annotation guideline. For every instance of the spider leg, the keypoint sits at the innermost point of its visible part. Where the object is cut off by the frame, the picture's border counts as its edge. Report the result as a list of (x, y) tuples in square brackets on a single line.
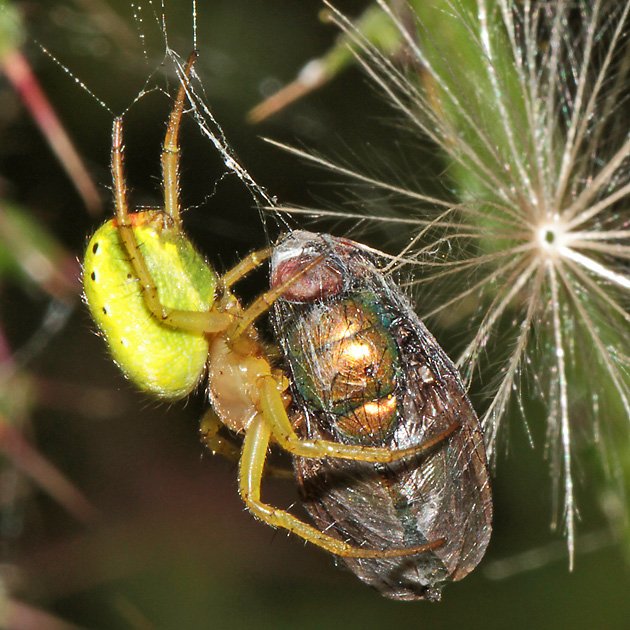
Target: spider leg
[(219, 445), (211, 321), (170, 149), (251, 468), (216, 443), (249, 263), (264, 302), (202, 321), (273, 408)]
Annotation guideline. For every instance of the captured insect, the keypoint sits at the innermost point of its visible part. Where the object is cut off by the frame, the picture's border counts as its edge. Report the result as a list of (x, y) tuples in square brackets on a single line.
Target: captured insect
[(365, 370), (170, 320)]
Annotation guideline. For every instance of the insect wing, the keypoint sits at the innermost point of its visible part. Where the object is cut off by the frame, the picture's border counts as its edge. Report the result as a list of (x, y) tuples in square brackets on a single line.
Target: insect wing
[(454, 475), (440, 494)]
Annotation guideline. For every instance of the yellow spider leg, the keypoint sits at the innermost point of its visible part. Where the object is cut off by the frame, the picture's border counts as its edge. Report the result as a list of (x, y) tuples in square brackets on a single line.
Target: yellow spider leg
[(216, 443), (251, 469), (203, 322), (266, 300), (275, 413), (170, 149), (249, 263), (206, 321), (219, 445)]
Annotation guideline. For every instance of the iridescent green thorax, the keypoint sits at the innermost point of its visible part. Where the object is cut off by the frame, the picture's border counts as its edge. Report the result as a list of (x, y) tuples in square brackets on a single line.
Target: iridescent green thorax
[(346, 364), (165, 361)]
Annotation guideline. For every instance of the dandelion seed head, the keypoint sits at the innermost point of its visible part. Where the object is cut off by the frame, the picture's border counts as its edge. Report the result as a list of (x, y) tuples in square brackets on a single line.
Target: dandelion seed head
[(551, 237), (530, 257)]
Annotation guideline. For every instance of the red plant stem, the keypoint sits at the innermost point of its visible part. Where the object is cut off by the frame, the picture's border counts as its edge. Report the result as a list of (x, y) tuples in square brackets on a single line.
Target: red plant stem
[(25, 457), (21, 616), (19, 73)]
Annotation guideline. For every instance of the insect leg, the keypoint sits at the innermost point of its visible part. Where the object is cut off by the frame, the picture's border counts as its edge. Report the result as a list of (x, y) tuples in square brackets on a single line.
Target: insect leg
[(251, 469)]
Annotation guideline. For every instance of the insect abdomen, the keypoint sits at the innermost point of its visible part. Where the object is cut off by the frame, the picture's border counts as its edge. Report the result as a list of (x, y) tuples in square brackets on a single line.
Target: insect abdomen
[(346, 365)]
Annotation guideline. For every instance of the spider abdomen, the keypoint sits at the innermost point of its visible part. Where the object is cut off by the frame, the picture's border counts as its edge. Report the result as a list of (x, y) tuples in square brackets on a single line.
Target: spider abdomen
[(165, 361)]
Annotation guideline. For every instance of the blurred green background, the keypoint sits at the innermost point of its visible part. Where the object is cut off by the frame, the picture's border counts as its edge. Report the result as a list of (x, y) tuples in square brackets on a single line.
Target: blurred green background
[(167, 543)]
